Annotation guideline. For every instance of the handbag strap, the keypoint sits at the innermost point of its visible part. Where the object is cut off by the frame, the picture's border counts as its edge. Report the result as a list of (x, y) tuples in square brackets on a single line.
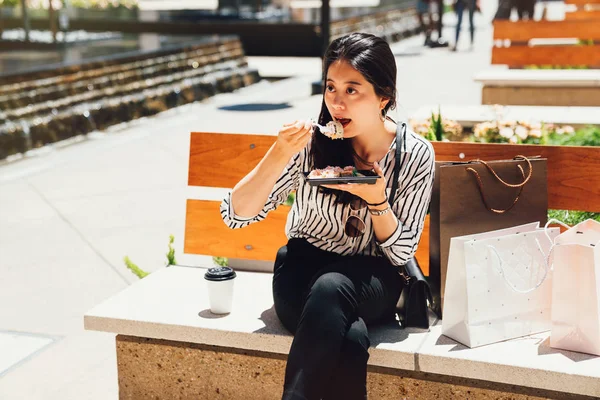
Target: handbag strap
[(400, 135)]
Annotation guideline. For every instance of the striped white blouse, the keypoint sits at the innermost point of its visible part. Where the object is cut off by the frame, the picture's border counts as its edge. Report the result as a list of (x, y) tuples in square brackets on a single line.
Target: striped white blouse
[(317, 218)]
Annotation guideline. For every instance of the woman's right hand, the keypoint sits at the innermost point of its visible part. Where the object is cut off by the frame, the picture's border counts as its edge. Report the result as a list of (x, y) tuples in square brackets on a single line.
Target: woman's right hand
[(293, 137)]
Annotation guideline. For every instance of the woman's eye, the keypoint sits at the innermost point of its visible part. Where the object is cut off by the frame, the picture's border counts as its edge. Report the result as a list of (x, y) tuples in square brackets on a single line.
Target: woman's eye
[(350, 90), (329, 88)]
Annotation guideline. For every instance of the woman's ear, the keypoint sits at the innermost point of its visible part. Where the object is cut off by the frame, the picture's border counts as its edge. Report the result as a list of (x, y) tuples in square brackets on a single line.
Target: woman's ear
[(383, 102)]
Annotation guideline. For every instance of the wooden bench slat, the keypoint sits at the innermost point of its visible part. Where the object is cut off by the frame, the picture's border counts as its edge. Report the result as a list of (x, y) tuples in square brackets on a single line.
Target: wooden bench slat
[(582, 2), (523, 31), (573, 171), (582, 14), (205, 233), (520, 56), (221, 160)]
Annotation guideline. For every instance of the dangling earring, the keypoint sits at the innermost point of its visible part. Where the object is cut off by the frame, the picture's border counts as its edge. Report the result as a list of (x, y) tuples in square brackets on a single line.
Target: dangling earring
[(382, 115)]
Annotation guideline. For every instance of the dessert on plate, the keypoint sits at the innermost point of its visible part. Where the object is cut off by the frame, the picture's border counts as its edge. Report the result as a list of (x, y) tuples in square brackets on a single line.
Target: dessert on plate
[(333, 172)]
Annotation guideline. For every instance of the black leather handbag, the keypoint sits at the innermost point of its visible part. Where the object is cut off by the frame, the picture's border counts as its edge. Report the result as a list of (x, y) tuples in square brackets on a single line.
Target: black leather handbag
[(412, 307)]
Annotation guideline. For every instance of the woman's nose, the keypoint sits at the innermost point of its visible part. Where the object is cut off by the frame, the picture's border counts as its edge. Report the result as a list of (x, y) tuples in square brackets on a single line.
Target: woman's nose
[(337, 102)]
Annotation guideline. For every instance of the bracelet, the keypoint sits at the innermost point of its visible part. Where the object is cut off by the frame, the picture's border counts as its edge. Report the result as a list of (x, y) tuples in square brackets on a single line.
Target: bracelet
[(380, 212), (378, 204)]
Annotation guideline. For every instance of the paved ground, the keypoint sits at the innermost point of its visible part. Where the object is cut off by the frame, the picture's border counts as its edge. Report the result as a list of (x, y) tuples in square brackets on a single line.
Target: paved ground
[(70, 215)]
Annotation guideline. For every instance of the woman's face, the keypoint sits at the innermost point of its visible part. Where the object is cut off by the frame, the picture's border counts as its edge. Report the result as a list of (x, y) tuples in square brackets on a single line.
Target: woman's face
[(351, 99)]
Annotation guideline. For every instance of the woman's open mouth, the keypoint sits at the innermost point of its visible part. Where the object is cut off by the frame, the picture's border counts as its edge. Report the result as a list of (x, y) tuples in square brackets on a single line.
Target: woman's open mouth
[(344, 121)]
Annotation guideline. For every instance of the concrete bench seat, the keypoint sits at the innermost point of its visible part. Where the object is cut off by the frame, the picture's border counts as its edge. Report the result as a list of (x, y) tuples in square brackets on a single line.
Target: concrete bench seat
[(469, 116), (167, 335), (540, 87), (169, 345), (540, 77)]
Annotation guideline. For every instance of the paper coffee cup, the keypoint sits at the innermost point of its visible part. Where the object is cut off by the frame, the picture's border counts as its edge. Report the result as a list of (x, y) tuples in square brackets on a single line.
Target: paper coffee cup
[(220, 289)]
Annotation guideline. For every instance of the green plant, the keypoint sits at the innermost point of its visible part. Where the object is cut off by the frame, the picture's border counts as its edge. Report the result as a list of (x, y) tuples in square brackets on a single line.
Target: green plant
[(436, 126), (520, 132), (585, 42), (105, 4), (572, 217), (290, 199), (171, 253), (588, 136), (221, 261), (10, 3), (140, 273)]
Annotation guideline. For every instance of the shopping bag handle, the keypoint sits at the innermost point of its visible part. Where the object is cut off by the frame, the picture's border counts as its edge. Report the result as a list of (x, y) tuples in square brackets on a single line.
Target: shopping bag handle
[(509, 283), (553, 220), (517, 185), (553, 244)]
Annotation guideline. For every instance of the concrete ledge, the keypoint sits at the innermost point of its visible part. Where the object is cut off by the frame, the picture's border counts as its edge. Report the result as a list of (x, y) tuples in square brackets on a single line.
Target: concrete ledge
[(540, 87), (541, 96), (539, 78), (151, 368), (527, 362), (171, 304), (469, 116)]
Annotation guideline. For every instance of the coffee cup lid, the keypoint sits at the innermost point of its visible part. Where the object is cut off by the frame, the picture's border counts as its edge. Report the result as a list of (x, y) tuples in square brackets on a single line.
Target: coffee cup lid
[(219, 274)]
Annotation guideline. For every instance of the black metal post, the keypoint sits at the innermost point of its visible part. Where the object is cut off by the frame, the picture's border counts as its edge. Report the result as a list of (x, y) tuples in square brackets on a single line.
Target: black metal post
[(52, 19), (26, 25), (325, 24), (317, 87)]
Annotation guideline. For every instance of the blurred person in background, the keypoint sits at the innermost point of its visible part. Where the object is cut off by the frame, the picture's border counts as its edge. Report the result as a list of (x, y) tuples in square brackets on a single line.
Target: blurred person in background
[(435, 11), (504, 9), (525, 8), (425, 19), (459, 8)]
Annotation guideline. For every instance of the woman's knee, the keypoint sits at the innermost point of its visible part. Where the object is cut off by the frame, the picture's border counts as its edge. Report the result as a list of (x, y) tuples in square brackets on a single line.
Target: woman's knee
[(332, 288), (357, 338)]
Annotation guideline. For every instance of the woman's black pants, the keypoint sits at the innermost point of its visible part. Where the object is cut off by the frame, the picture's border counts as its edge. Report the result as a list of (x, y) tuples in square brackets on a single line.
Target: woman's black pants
[(327, 301)]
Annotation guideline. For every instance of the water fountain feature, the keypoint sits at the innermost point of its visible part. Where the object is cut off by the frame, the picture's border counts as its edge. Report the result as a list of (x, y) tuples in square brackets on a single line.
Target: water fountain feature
[(45, 105)]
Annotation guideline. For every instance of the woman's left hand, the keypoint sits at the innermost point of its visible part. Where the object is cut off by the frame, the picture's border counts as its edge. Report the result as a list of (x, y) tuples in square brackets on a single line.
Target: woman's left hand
[(372, 194)]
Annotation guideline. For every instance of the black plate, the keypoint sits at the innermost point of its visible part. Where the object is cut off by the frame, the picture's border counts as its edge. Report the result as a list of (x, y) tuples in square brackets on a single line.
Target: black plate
[(369, 178)]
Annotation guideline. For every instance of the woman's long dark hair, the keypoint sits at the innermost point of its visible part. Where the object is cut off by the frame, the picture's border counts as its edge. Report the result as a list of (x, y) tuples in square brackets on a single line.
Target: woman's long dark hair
[(372, 57)]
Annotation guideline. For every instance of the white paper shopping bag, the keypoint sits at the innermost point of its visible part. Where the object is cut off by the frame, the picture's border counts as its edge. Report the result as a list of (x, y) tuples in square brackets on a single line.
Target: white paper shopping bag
[(498, 285), (576, 289)]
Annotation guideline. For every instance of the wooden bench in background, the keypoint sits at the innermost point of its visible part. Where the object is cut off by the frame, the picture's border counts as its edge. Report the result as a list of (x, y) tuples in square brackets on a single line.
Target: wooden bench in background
[(570, 43), (552, 87), (582, 9), (169, 345), (513, 42)]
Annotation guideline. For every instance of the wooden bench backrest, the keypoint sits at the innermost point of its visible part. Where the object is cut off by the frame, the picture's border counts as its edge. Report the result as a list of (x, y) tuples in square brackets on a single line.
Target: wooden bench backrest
[(524, 31), (221, 160), (582, 14), (586, 9), (582, 2), (518, 54)]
